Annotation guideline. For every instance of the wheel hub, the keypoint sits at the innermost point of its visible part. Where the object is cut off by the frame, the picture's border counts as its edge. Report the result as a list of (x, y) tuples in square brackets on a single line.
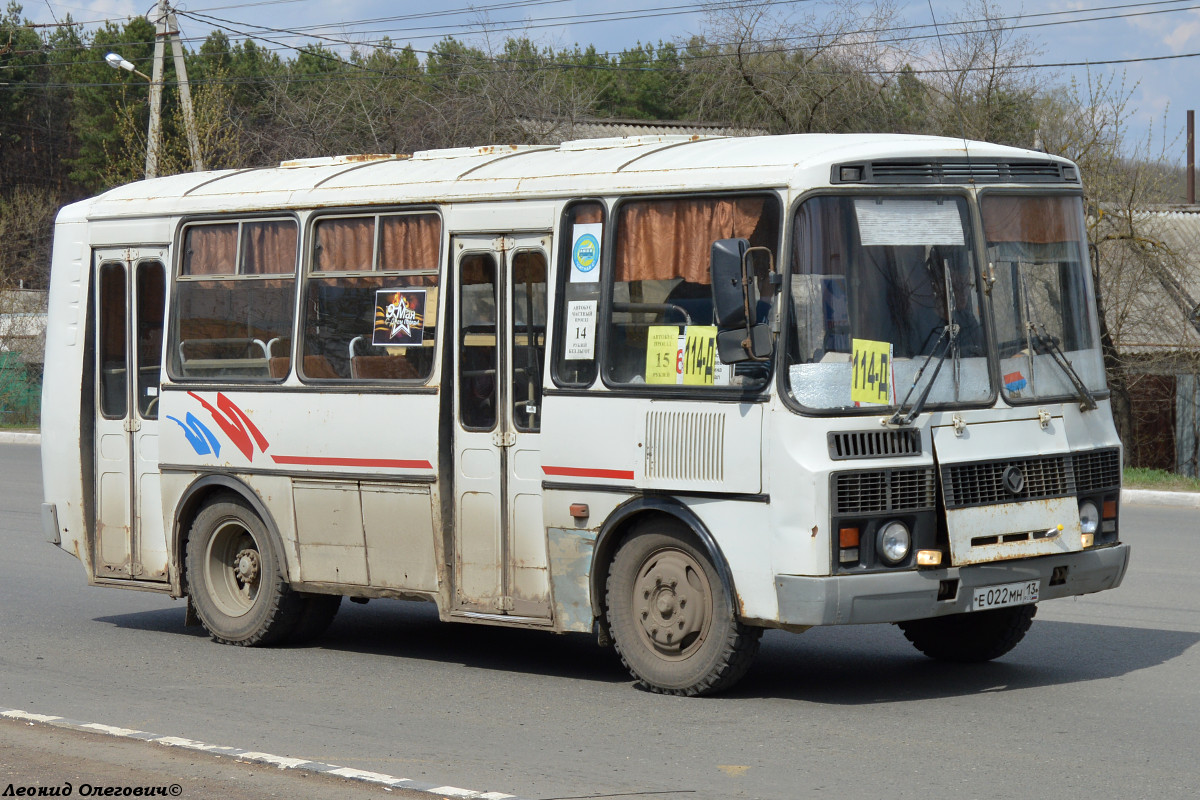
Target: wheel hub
[(246, 566), (670, 595)]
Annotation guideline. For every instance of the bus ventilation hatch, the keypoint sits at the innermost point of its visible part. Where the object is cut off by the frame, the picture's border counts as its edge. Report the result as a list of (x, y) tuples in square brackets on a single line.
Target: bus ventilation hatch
[(687, 445)]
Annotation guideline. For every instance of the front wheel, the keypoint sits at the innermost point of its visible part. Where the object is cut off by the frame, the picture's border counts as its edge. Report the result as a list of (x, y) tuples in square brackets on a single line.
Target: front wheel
[(972, 637), (672, 620), (235, 579)]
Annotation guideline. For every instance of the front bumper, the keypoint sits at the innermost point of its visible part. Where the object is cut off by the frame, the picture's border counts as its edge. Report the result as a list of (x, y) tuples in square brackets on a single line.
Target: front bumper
[(913, 594)]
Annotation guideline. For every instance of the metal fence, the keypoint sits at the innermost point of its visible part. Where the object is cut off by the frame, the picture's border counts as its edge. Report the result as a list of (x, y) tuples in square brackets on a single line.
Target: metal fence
[(20, 392)]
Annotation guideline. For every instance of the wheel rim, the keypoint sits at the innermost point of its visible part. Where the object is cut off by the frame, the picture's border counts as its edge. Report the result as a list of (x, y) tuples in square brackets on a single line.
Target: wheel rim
[(233, 569), (673, 602)]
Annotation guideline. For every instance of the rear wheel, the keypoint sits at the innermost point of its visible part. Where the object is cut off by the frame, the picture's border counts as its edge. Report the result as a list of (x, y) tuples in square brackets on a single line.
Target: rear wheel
[(973, 637), (672, 620), (235, 580)]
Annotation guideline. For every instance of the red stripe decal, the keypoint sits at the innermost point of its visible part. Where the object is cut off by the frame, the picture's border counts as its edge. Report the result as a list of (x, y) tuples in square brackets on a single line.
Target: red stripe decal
[(580, 472), (386, 463)]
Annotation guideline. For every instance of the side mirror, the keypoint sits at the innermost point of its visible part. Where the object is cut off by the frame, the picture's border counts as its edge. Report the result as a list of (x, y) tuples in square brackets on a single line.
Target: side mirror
[(740, 336)]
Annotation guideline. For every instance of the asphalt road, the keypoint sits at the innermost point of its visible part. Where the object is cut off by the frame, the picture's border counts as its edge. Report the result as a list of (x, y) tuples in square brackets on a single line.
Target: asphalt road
[(1100, 700)]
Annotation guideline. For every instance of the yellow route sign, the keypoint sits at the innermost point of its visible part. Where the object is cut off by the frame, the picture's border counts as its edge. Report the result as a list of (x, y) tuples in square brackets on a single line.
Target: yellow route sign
[(700, 355), (872, 375), (662, 353)]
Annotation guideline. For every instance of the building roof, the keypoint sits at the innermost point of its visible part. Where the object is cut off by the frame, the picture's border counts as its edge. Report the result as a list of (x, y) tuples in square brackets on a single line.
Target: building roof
[(1151, 288)]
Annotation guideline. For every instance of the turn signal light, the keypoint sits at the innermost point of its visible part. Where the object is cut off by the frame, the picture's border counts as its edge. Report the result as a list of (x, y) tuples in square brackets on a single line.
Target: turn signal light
[(929, 558), (848, 537), (1110, 509)]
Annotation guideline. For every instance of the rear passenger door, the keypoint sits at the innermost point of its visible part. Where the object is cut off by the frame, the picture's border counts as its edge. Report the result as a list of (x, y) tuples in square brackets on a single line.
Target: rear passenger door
[(500, 559), (130, 298)]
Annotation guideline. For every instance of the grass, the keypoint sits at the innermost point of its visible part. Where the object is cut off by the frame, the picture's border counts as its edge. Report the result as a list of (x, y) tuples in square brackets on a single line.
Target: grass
[(1160, 480)]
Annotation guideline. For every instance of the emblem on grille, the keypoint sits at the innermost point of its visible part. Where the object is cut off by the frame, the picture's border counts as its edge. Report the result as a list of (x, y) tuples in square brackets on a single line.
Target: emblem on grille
[(1013, 479)]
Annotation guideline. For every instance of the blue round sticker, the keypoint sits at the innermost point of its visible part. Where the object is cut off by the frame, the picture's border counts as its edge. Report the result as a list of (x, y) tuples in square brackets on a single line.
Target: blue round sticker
[(584, 256)]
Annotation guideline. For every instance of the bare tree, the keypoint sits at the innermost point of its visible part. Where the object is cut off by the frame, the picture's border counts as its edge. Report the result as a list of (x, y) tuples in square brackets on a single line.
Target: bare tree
[(796, 68)]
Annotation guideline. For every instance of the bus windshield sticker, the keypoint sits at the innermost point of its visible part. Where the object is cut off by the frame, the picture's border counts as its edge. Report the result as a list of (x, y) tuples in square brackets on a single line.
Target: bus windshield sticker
[(585, 252), (898, 222), (399, 317), (581, 330), (700, 355), (872, 373), (662, 354)]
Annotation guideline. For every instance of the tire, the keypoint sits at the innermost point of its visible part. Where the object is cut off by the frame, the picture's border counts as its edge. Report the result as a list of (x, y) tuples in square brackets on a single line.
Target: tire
[(235, 579), (317, 615), (672, 619), (973, 637)]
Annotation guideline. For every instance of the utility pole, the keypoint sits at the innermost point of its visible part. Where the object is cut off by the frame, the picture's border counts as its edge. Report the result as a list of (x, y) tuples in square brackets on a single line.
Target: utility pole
[(156, 76), (166, 26)]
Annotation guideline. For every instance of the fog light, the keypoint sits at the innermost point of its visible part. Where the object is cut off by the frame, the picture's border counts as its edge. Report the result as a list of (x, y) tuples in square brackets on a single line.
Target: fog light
[(1086, 540), (893, 542), (1089, 517), (929, 558)]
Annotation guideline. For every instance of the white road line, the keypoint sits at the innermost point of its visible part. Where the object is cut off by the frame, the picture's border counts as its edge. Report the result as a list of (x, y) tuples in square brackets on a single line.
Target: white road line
[(282, 762)]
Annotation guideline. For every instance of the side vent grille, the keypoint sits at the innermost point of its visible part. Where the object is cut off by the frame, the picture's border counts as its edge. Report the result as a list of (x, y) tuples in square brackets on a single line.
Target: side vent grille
[(1097, 469), (845, 445), (883, 491), (687, 445)]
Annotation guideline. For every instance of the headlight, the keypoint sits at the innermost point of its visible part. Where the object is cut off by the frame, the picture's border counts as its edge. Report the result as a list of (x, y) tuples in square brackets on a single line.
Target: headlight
[(893, 542), (1089, 517)]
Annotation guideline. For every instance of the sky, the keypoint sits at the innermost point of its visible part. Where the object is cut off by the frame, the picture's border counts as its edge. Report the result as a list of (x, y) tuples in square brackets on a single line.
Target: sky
[(1160, 91)]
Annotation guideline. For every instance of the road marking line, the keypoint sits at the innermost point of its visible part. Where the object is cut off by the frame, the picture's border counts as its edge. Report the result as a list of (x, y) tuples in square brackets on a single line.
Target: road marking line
[(282, 762)]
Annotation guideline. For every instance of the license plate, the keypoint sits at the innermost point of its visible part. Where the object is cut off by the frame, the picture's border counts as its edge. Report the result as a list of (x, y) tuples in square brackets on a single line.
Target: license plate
[(1006, 594)]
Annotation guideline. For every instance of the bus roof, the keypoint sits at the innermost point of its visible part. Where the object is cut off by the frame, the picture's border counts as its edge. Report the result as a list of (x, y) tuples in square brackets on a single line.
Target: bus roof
[(592, 167)]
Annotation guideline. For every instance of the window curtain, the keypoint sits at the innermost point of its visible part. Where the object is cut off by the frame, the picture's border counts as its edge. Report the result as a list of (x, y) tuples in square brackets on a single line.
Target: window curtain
[(210, 250), (409, 242), (1037, 220), (269, 248), (344, 244), (664, 239)]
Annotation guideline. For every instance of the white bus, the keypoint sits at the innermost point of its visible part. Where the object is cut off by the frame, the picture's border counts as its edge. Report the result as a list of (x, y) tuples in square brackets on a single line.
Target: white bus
[(674, 390)]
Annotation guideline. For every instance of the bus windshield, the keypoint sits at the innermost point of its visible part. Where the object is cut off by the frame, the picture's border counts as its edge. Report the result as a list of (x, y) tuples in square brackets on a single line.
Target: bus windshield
[(889, 281), (1047, 339)]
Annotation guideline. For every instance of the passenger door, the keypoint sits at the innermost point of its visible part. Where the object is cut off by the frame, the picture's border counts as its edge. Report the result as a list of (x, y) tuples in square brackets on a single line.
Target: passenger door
[(500, 558), (129, 542)]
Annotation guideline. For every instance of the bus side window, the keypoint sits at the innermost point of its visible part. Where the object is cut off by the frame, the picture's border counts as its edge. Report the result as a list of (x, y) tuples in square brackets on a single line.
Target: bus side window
[(370, 309), (578, 302), (234, 300), (661, 329)]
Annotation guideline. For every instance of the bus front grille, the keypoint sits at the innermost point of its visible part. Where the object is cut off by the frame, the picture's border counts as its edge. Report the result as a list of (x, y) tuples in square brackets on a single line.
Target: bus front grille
[(1097, 469), (982, 483), (883, 490)]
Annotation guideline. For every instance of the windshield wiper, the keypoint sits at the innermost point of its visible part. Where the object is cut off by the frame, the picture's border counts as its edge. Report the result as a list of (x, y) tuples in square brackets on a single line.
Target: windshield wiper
[(948, 342), (1044, 342)]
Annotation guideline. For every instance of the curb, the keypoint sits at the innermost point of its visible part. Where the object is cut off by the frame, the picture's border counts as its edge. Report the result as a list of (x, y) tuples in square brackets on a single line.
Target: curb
[(250, 756), (13, 437), (1147, 497)]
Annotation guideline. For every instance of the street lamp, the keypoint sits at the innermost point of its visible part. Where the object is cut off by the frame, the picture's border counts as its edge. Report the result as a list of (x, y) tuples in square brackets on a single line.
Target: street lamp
[(116, 62)]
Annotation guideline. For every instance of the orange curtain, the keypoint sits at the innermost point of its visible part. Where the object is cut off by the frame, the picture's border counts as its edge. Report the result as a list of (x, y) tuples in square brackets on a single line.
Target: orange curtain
[(210, 250), (344, 244), (269, 248), (587, 213), (1037, 220), (410, 242), (664, 239)]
